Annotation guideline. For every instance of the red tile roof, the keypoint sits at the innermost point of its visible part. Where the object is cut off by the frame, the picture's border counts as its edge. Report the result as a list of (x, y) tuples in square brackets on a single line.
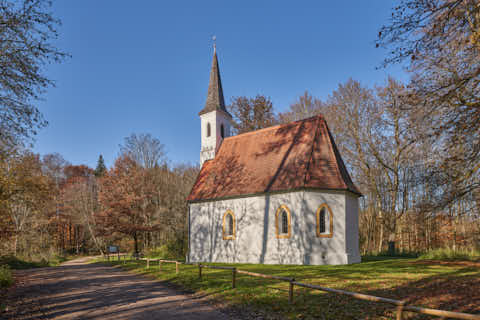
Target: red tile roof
[(292, 156)]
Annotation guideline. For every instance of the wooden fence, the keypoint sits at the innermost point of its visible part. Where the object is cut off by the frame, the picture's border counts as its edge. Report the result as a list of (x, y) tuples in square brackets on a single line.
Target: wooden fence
[(401, 305), (160, 261)]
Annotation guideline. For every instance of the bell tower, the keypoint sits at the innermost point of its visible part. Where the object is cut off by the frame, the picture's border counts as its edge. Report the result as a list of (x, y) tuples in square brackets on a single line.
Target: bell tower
[(214, 117)]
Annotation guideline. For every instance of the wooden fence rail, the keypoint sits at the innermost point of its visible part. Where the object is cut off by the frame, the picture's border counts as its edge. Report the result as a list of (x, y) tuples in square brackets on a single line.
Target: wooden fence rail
[(233, 269), (401, 305), (113, 255), (160, 261)]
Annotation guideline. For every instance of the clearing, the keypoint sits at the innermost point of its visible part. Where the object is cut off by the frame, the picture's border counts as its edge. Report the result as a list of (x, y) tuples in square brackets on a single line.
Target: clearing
[(452, 286)]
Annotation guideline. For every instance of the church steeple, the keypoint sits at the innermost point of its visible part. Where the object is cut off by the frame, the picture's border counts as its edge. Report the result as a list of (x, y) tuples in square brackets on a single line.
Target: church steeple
[(215, 100), (214, 117)]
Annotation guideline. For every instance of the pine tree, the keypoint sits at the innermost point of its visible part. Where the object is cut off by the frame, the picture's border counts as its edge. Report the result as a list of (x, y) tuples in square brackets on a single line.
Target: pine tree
[(101, 168)]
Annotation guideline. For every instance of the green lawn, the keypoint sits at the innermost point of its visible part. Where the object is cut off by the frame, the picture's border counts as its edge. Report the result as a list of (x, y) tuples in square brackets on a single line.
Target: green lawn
[(453, 286)]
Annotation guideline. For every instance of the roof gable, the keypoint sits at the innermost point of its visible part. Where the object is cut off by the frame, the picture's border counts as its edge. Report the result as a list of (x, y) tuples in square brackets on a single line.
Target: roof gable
[(286, 157)]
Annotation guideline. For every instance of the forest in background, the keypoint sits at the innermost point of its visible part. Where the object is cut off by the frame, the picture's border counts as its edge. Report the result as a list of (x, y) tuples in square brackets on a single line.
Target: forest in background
[(413, 148)]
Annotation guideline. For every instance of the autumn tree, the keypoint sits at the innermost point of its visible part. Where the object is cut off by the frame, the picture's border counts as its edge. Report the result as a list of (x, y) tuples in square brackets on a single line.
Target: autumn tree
[(25, 193), (251, 114), (80, 207), (439, 41), (26, 30), (125, 196), (376, 136)]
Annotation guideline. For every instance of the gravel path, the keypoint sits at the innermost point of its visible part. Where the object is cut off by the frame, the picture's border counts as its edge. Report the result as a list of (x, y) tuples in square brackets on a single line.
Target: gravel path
[(78, 290)]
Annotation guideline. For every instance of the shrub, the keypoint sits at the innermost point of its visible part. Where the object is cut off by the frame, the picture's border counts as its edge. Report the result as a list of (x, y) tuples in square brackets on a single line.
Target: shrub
[(450, 254), (6, 278), (158, 252), (385, 255), (173, 249)]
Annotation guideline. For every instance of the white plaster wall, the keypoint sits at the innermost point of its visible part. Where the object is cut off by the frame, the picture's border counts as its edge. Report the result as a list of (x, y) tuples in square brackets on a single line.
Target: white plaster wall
[(256, 240), (209, 144), (352, 228)]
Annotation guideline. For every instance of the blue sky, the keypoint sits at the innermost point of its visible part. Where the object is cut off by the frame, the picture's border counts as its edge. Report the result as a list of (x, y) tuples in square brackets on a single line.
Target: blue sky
[(144, 67)]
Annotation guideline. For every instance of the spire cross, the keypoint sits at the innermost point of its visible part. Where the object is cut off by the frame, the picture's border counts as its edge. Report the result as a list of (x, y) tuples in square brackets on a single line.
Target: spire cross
[(214, 38)]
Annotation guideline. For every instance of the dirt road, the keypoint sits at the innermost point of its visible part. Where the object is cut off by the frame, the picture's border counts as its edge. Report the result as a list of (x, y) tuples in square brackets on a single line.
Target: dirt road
[(78, 290)]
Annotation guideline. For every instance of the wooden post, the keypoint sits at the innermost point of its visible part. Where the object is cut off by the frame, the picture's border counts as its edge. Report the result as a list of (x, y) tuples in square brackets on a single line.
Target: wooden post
[(234, 278), (290, 292), (176, 267), (400, 310), (148, 263), (200, 271), (124, 259), (159, 265), (118, 253)]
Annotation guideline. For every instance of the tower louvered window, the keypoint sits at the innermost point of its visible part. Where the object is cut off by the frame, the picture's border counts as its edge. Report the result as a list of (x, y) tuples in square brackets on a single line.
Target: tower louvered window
[(209, 130)]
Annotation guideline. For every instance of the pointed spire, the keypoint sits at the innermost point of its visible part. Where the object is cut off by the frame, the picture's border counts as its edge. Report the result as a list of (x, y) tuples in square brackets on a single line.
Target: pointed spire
[(215, 100)]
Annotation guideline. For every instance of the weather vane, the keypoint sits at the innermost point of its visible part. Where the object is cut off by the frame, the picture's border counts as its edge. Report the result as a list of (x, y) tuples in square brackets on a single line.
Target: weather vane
[(214, 38)]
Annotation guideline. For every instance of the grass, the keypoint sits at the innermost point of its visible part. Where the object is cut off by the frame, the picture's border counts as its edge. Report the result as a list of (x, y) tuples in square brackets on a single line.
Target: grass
[(6, 278), (18, 263), (442, 285)]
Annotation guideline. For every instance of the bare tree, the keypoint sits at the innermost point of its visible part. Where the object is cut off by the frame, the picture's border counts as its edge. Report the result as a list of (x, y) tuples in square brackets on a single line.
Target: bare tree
[(440, 43), (144, 149), (306, 106)]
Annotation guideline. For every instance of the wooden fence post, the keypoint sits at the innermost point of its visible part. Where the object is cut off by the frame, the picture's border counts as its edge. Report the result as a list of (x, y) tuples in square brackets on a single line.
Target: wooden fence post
[(290, 291), (159, 265), (200, 271), (400, 310), (234, 278), (176, 267), (148, 263), (124, 259)]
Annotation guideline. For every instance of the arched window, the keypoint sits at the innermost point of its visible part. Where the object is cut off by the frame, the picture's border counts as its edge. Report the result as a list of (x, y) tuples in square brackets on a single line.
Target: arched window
[(324, 221), (228, 225), (222, 131), (283, 222), (209, 130)]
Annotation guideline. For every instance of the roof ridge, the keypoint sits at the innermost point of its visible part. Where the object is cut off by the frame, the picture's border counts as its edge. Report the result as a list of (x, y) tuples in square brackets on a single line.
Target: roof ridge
[(273, 127)]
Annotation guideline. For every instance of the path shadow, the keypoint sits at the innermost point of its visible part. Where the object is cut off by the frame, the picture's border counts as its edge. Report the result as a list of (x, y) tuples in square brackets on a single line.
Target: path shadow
[(97, 291)]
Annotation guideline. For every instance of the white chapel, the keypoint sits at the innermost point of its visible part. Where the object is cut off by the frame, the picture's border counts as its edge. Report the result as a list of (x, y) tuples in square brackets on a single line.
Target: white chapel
[(279, 195)]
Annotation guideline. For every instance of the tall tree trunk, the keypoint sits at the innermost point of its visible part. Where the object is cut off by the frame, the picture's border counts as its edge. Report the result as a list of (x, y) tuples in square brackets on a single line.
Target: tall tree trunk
[(15, 245), (135, 239), (380, 240)]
